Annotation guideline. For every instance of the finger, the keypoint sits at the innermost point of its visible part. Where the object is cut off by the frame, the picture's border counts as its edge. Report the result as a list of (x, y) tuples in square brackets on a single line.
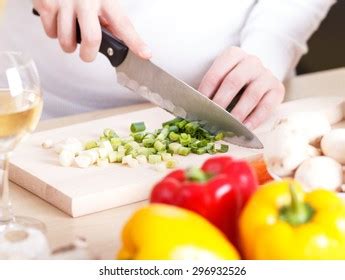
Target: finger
[(91, 34), (219, 69), (120, 25), (67, 29), (252, 96), (48, 14), (264, 108), (245, 72)]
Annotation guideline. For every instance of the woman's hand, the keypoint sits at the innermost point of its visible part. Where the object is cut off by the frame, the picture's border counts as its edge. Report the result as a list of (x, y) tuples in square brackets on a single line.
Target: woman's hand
[(233, 70), (59, 21)]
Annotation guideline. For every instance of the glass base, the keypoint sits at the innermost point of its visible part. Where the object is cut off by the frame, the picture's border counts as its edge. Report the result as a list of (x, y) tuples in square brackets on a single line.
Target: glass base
[(23, 222)]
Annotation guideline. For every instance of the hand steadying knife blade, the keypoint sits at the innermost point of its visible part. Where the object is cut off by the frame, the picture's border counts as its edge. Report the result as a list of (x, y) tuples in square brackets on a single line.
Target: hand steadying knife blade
[(170, 93)]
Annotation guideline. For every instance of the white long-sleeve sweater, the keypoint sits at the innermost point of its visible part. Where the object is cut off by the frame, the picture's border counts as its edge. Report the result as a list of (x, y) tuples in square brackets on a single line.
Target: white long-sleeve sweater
[(184, 35)]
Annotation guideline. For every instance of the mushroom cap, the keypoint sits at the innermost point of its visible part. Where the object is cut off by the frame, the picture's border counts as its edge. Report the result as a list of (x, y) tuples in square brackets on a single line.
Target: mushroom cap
[(320, 172), (333, 144), (313, 125), (284, 151)]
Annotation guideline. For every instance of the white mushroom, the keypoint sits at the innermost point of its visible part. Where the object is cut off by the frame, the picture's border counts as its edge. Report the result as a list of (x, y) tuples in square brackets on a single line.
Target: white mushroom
[(333, 145), (312, 125), (320, 172), (285, 150)]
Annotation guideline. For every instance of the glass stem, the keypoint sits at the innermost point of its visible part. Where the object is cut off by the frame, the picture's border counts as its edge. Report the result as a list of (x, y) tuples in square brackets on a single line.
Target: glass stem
[(6, 213)]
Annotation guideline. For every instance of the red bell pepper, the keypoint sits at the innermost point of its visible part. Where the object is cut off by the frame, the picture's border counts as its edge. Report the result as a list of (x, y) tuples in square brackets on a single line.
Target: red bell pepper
[(218, 191)]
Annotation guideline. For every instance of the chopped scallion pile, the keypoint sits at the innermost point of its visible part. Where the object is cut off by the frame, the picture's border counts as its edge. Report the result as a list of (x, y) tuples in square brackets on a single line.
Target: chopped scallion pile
[(175, 137)]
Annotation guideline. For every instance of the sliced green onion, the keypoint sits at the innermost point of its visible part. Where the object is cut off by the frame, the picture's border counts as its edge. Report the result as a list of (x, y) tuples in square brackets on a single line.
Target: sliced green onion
[(142, 159), (172, 122), (223, 148), (201, 151), (110, 133), (181, 124), (184, 151), (139, 136), (131, 146), (159, 146), (149, 136), (166, 156), (157, 131), (137, 127), (163, 134), (173, 128), (112, 156), (203, 143), (174, 147), (121, 149), (148, 142), (106, 145), (90, 145), (210, 146), (143, 151), (103, 138), (185, 139), (133, 153), (191, 127), (219, 136), (115, 143), (120, 156), (152, 151), (102, 162), (127, 139), (153, 159), (174, 136), (171, 163), (203, 132), (126, 158)]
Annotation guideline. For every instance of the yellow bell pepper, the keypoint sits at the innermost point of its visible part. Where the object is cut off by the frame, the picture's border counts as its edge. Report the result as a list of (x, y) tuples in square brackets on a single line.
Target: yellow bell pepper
[(164, 232), (282, 222)]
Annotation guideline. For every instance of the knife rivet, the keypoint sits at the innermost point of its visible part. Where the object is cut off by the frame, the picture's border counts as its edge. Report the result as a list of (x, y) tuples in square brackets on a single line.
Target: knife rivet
[(110, 51)]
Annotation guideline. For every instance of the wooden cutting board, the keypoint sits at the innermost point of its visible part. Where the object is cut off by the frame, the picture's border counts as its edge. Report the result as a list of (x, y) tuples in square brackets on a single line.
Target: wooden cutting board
[(83, 191)]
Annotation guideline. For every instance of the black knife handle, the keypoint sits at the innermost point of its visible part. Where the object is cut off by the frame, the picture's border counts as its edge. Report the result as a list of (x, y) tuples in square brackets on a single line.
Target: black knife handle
[(114, 49)]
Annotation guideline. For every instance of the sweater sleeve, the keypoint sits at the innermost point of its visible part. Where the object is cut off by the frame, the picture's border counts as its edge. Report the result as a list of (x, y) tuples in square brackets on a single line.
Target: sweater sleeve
[(277, 31)]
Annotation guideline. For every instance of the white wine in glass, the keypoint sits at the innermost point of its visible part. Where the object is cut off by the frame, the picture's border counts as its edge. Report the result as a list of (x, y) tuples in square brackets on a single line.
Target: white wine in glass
[(20, 110)]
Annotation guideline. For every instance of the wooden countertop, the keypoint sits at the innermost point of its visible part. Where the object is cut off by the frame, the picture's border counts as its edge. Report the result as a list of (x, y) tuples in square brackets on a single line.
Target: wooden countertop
[(102, 230)]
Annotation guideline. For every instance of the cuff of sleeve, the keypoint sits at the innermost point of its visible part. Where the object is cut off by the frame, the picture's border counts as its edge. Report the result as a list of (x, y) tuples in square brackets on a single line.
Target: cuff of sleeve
[(278, 54)]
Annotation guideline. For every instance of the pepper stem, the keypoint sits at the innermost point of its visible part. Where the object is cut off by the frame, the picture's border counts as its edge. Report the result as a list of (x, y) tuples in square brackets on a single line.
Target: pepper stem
[(298, 212), (197, 175), (295, 203)]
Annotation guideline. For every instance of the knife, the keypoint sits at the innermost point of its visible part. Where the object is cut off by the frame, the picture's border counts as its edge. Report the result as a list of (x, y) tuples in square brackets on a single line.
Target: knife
[(170, 93)]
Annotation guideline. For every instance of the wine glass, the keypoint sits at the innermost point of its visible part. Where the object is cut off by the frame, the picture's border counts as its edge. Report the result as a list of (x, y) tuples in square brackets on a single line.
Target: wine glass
[(20, 110)]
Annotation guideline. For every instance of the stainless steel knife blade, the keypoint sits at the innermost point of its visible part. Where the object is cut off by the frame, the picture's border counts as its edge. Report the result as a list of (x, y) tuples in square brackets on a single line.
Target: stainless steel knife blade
[(180, 99), (170, 93)]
